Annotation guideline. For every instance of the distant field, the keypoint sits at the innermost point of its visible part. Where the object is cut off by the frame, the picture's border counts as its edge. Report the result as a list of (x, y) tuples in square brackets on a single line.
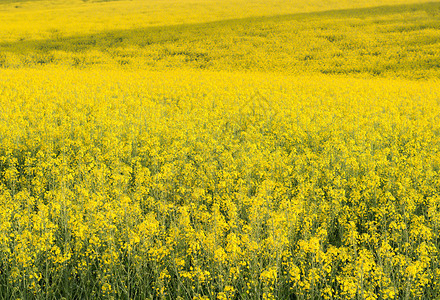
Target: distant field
[(48, 18), (203, 149), (400, 40)]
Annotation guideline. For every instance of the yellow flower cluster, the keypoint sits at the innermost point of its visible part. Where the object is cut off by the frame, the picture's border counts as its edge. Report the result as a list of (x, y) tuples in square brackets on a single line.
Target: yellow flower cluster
[(216, 185), (204, 149)]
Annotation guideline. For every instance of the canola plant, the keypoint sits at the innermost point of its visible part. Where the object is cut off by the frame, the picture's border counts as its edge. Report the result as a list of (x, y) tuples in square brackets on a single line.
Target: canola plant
[(270, 179)]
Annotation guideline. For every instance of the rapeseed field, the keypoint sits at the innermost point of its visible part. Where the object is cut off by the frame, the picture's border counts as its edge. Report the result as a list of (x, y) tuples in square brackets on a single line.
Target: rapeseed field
[(219, 149)]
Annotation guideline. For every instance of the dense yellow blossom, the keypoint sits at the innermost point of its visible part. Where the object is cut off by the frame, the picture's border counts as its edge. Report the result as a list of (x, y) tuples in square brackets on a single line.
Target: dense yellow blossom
[(204, 150), (155, 183)]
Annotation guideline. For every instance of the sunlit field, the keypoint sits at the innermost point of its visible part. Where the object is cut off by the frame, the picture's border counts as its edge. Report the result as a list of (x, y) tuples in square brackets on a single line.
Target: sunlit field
[(219, 149)]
